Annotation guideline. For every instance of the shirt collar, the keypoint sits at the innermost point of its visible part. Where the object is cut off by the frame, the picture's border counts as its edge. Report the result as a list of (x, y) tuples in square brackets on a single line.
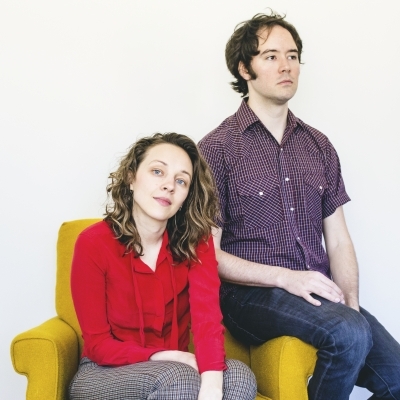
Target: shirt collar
[(162, 255), (165, 253), (246, 117)]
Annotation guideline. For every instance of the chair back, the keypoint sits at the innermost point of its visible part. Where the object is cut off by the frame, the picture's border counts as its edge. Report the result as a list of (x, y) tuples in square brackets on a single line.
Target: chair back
[(67, 236)]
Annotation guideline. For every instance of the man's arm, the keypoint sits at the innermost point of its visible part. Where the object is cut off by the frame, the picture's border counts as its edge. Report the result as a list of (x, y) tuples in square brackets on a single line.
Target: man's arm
[(342, 256), (300, 283)]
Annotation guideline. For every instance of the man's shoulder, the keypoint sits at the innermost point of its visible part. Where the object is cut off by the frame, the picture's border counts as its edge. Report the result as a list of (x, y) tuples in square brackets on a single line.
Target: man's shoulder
[(313, 134), (221, 135)]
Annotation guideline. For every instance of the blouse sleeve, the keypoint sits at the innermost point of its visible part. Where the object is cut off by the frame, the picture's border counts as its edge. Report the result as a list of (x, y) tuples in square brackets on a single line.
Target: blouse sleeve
[(206, 316), (88, 287)]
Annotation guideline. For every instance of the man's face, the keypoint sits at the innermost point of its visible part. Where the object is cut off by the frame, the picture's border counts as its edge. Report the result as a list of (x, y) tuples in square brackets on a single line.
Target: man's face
[(277, 67)]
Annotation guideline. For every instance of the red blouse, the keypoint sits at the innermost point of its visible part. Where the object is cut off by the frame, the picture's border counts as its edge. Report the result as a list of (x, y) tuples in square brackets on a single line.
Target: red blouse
[(127, 311)]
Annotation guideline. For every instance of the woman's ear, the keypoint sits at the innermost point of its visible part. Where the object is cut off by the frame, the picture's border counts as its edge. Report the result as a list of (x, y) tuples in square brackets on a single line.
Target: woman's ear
[(131, 180)]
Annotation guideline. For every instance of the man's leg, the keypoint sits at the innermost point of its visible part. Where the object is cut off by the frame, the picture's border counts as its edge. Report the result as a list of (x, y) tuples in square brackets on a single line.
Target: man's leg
[(381, 373), (341, 334)]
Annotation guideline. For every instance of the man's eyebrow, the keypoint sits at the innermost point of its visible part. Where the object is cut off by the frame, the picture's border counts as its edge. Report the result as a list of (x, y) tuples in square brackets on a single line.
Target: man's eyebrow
[(275, 51)]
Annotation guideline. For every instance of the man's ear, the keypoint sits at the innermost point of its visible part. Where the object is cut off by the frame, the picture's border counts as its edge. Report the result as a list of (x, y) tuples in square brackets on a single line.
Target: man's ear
[(244, 73)]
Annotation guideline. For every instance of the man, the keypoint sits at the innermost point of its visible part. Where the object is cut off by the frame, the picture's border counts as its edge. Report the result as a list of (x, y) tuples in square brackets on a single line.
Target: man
[(281, 193)]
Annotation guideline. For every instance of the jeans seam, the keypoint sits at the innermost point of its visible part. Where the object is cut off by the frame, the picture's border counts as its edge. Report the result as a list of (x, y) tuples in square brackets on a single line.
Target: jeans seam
[(327, 333), (387, 386)]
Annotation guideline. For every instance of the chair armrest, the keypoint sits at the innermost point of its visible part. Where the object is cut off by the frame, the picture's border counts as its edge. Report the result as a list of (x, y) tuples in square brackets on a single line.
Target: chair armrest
[(239, 351), (282, 367), (48, 356)]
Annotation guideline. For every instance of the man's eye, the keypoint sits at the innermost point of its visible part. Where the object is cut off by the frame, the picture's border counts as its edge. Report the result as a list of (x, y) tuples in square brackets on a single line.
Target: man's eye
[(292, 57), (271, 58)]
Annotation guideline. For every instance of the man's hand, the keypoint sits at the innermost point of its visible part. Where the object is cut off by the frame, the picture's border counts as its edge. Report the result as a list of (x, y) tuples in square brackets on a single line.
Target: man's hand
[(176, 355), (303, 283)]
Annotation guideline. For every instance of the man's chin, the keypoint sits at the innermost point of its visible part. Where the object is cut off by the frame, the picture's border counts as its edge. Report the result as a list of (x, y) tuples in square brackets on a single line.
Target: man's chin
[(284, 98)]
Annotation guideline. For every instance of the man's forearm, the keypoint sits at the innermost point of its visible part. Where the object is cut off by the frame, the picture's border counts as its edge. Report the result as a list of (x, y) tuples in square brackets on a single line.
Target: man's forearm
[(237, 270), (342, 257), (300, 283), (344, 270)]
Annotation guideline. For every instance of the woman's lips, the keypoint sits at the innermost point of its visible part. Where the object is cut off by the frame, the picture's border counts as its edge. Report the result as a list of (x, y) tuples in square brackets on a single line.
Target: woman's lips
[(163, 201)]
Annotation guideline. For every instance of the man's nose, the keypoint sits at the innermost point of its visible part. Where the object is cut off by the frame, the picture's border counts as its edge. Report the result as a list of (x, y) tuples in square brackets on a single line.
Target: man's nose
[(284, 65)]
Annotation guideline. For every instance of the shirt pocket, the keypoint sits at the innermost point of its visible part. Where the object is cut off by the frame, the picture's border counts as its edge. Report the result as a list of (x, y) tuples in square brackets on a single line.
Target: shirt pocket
[(315, 185), (261, 202)]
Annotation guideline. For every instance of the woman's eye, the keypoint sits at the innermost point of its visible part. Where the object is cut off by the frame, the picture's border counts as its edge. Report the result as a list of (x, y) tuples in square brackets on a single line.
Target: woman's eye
[(156, 171), (180, 182)]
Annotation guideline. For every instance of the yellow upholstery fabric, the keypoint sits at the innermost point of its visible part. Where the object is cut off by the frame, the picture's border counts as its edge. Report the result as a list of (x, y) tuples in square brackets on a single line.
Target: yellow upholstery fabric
[(48, 355), (282, 367)]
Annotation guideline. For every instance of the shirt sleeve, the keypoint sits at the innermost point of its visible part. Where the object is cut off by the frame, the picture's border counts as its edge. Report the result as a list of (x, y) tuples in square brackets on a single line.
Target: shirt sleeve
[(88, 287), (206, 316), (335, 194), (214, 155)]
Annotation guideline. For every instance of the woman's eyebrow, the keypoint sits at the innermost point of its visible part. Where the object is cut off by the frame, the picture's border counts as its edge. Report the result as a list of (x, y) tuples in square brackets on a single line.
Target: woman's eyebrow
[(164, 163)]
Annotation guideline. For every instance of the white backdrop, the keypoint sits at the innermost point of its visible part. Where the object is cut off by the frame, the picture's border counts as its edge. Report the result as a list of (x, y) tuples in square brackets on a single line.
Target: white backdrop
[(81, 80)]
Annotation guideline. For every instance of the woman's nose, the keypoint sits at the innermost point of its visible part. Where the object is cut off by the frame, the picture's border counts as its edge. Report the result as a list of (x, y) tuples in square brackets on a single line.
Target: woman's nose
[(168, 185)]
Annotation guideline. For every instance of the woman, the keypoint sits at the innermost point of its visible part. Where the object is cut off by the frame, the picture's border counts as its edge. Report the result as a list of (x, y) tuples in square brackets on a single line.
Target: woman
[(146, 272)]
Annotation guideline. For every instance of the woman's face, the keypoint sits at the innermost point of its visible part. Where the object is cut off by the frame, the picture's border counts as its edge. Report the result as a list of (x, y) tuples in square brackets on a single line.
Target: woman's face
[(162, 182)]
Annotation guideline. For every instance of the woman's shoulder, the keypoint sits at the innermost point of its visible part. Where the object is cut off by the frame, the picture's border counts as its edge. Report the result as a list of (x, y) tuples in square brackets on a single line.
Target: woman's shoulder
[(97, 231), (205, 243), (205, 248)]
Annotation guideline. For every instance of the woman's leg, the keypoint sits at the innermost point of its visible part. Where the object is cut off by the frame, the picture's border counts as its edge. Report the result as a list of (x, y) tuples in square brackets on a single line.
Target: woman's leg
[(149, 380), (239, 382)]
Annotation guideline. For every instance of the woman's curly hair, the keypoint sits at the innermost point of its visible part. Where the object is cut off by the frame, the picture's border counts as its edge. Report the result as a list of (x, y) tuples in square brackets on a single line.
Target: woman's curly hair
[(192, 223)]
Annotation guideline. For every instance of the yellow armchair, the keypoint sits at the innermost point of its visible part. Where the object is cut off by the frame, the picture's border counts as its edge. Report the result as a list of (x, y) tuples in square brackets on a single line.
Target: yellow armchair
[(48, 355)]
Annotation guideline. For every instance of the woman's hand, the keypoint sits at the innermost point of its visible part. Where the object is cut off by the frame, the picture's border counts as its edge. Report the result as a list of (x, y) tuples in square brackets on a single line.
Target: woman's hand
[(176, 355), (211, 385)]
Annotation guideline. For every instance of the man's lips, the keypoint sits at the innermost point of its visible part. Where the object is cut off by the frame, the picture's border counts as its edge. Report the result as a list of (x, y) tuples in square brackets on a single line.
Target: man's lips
[(163, 201), (285, 82)]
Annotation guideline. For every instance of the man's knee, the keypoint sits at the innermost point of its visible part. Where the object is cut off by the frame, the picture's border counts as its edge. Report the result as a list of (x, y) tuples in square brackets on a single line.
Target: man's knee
[(352, 336)]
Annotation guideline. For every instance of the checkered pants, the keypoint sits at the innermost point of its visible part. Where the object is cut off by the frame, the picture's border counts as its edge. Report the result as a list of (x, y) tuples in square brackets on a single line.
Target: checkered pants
[(155, 380)]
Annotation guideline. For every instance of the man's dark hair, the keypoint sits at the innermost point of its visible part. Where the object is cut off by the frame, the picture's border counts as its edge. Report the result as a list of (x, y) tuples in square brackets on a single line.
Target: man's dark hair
[(243, 45)]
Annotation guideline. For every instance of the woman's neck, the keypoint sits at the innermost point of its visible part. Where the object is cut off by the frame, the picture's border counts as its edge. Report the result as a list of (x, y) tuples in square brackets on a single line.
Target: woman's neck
[(150, 230)]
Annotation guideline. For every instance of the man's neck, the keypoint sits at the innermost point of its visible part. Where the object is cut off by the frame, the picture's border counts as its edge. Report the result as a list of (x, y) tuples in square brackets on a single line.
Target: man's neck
[(273, 116)]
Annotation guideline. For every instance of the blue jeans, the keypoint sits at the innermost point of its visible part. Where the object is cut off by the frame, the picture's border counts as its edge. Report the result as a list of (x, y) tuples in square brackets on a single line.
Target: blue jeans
[(353, 347)]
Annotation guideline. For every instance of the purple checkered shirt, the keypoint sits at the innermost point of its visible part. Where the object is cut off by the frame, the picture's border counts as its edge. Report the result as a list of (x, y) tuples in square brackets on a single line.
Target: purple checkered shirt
[(274, 196)]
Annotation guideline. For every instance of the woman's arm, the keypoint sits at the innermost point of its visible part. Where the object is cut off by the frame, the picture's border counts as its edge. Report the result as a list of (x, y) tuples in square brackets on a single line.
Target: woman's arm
[(211, 385), (206, 317)]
